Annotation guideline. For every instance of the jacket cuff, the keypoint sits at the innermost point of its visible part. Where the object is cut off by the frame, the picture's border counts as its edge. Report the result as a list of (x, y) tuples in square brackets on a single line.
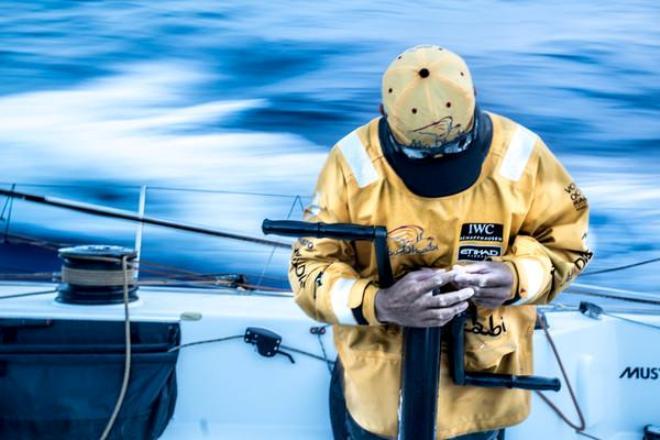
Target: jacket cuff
[(514, 296), (369, 304), (362, 302), (532, 279)]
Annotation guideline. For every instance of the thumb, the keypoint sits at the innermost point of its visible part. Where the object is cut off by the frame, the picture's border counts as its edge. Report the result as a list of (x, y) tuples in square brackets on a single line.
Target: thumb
[(476, 268)]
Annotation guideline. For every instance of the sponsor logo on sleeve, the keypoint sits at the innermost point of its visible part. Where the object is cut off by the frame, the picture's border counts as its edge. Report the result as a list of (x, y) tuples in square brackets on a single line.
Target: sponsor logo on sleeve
[(579, 264), (478, 253), (577, 197), (299, 268), (482, 232)]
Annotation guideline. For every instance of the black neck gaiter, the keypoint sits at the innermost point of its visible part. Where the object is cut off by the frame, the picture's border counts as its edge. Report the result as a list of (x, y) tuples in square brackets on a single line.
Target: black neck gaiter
[(443, 176)]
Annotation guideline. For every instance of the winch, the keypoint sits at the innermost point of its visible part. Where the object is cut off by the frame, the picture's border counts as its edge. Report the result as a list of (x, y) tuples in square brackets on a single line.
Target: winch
[(97, 274), (420, 371)]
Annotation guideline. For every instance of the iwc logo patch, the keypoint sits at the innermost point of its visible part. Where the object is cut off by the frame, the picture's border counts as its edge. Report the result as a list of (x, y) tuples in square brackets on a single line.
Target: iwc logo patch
[(482, 232)]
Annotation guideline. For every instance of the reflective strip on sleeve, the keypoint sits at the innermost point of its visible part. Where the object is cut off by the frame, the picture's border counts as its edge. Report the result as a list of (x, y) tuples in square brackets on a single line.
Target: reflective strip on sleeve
[(339, 293), (357, 158), (534, 276), (517, 153)]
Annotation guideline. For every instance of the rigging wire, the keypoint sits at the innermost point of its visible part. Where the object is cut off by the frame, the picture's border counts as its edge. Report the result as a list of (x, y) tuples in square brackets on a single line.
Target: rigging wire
[(234, 337), (8, 201), (205, 341), (12, 193), (617, 297), (581, 425), (631, 321), (251, 289), (8, 220), (162, 188), (200, 275), (129, 216), (167, 269), (272, 252), (220, 191), (319, 332), (213, 281), (584, 434), (207, 285), (21, 295), (172, 272), (308, 354), (623, 267)]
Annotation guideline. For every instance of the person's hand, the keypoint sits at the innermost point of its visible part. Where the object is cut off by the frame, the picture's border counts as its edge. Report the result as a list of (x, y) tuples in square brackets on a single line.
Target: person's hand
[(492, 282), (410, 302)]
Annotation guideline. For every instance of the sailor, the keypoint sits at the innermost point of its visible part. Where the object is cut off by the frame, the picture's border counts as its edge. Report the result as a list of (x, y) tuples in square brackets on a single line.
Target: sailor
[(472, 201)]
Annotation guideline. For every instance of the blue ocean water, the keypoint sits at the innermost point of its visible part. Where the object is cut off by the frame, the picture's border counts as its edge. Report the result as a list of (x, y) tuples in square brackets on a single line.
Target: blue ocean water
[(99, 98)]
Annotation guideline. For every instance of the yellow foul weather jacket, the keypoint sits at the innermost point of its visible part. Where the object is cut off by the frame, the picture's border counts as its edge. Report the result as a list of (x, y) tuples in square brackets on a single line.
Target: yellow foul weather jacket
[(523, 209)]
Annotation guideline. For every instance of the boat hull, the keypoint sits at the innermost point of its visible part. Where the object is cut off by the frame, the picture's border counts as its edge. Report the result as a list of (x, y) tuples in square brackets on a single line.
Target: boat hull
[(227, 390)]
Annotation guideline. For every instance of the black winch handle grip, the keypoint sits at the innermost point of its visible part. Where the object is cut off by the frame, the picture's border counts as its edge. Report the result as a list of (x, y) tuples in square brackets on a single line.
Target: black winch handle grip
[(489, 380), (340, 231)]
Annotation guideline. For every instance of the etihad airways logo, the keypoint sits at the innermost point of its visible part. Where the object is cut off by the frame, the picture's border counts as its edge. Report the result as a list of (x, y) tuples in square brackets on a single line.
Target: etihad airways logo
[(644, 373), (478, 253)]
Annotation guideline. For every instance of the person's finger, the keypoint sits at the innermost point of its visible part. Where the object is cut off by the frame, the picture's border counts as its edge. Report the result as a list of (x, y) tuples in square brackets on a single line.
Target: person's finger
[(477, 268), (439, 317), (423, 273), (426, 285), (490, 279), (466, 279), (490, 292), (454, 272), (448, 299)]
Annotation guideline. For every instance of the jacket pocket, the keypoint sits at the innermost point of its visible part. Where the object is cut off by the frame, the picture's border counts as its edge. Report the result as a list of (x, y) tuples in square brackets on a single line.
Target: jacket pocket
[(379, 341), (494, 335)]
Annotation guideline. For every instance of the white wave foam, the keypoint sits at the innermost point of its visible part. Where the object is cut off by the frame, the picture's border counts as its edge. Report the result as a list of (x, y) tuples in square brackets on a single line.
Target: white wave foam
[(140, 126)]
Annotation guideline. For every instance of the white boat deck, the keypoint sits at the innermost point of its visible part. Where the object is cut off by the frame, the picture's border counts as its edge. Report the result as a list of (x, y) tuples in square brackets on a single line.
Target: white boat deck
[(226, 390)]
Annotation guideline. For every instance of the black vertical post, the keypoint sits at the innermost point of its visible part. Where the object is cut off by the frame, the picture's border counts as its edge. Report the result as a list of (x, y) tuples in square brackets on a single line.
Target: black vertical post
[(420, 370), (420, 375)]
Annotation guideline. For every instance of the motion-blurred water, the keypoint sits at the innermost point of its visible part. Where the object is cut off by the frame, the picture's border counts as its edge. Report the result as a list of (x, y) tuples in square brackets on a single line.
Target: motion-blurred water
[(249, 96)]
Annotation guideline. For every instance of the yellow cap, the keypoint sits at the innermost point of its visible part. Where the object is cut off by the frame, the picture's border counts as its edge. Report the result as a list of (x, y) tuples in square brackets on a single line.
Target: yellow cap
[(428, 96)]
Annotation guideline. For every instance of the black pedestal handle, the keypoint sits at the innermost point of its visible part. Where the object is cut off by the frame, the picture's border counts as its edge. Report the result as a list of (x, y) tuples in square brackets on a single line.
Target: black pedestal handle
[(421, 346)]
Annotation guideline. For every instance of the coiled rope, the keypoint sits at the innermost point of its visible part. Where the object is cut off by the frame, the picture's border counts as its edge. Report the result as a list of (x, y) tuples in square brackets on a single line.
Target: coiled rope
[(87, 277)]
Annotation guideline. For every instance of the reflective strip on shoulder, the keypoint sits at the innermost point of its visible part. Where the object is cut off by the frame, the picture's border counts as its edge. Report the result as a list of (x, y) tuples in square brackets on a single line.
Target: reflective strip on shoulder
[(534, 275), (517, 154), (357, 158), (339, 293)]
